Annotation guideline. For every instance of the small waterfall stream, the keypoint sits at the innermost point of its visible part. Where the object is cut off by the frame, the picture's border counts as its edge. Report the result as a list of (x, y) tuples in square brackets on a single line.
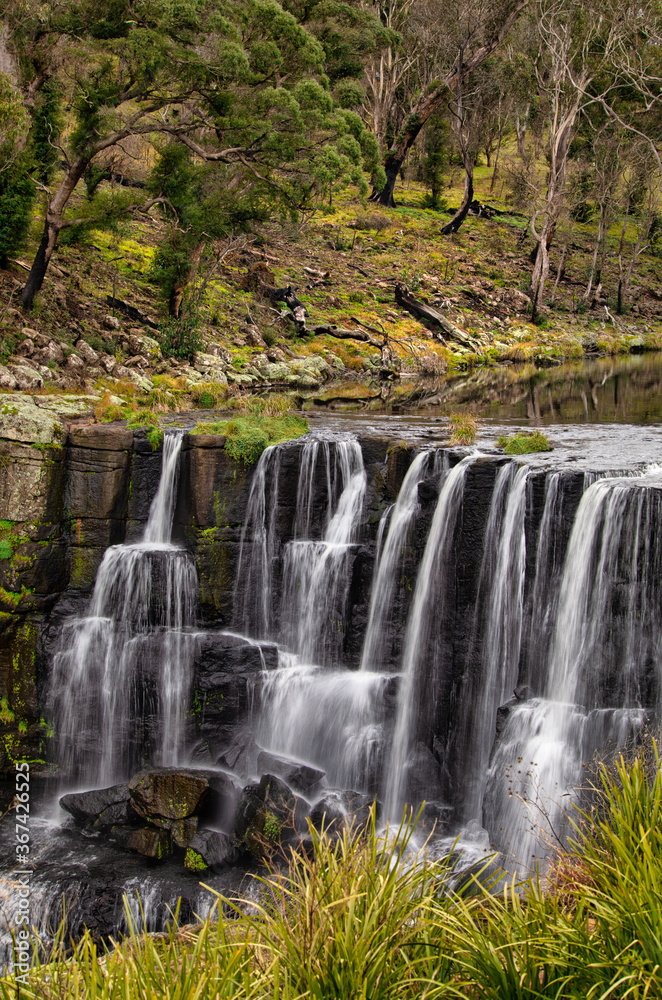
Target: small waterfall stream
[(126, 663)]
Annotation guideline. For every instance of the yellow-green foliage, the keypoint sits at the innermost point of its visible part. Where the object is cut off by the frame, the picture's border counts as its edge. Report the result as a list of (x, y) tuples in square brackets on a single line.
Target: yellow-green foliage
[(464, 428), (248, 436), (364, 917), (524, 444)]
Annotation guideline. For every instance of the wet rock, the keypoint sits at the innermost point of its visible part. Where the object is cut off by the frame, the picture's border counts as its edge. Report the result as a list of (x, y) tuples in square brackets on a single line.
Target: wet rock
[(87, 807), (149, 841), (422, 775), (428, 490), (300, 777), (268, 814), (168, 793), (339, 809), (435, 818), (210, 849), (240, 755)]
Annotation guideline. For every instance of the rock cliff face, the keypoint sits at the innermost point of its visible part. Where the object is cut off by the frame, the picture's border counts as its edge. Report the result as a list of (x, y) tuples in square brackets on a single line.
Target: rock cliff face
[(69, 488)]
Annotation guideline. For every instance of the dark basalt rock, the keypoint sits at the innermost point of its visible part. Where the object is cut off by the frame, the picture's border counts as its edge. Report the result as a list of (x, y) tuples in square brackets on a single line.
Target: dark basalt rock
[(428, 490), (211, 849), (300, 777), (99, 806), (338, 809), (150, 841), (269, 813), (240, 755), (168, 793)]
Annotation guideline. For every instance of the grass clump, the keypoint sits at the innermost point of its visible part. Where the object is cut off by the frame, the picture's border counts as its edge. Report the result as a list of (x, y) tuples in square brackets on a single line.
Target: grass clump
[(464, 428), (362, 916), (524, 444), (248, 436)]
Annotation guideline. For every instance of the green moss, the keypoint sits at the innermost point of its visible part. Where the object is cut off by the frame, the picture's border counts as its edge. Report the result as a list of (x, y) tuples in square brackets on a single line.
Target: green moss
[(194, 861), (248, 436), (6, 714), (6, 550), (272, 826), (524, 444)]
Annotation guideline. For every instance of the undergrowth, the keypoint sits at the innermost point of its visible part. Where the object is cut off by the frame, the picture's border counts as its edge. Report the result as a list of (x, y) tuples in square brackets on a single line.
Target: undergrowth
[(524, 444), (247, 436), (364, 916)]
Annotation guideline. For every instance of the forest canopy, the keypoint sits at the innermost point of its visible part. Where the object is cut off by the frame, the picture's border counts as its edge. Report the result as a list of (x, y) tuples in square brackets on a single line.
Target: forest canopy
[(218, 115)]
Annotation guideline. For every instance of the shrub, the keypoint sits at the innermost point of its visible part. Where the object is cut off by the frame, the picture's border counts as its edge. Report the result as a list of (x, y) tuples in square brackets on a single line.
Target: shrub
[(180, 338), (464, 428), (524, 444), (209, 395)]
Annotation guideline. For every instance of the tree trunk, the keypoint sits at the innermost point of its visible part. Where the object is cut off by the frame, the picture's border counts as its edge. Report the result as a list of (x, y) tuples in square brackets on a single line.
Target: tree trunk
[(461, 214), (428, 103), (52, 226)]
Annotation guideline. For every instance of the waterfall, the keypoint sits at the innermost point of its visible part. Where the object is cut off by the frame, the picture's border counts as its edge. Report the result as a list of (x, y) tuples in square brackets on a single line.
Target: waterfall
[(604, 659), (332, 719), (122, 674), (491, 669), (425, 617), (254, 578), (316, 573), (389, 561)]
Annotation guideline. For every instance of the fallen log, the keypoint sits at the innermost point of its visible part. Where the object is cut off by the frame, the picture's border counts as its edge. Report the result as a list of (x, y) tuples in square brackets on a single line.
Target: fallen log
[(431, 317)]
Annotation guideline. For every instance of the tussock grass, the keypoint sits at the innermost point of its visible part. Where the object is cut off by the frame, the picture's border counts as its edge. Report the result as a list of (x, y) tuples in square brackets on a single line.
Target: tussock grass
[(464, 428), (524, 444), (364, 917)]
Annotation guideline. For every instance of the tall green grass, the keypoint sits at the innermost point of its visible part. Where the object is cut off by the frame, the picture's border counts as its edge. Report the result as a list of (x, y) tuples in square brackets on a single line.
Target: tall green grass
[(365, 917)]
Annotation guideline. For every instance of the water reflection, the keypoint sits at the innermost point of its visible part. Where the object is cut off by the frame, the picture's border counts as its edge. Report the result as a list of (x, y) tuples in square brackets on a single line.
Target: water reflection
[(598, 390)]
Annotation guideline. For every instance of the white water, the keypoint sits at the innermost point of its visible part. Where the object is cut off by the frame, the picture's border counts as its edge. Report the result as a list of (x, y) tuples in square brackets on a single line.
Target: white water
[(131, 642), (537, 762), (316, 573), (389, 561), (425, 613)]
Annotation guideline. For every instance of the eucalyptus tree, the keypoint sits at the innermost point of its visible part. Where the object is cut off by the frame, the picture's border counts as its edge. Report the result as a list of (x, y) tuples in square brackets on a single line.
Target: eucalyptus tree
[(472, 30), (586, 59), (241, 83)]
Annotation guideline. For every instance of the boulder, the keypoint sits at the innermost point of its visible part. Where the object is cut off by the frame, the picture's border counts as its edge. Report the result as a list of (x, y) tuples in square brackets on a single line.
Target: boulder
[(87, 807), (240, 755), (268, 814), (210, 849), (254, 337), (87, 353), (26, 348), (26, 376), (339, 809), (7, 379), (276, 354), (107, 363), (168, 792), (74, 363), (277, 372), (149, 841), (111, 323), (300, 777)]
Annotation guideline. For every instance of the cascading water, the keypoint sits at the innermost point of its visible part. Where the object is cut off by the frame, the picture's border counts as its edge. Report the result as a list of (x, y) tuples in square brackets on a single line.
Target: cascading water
[(389, 560), (604, 666), (426, 613), (128, 659), (316, 574)]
